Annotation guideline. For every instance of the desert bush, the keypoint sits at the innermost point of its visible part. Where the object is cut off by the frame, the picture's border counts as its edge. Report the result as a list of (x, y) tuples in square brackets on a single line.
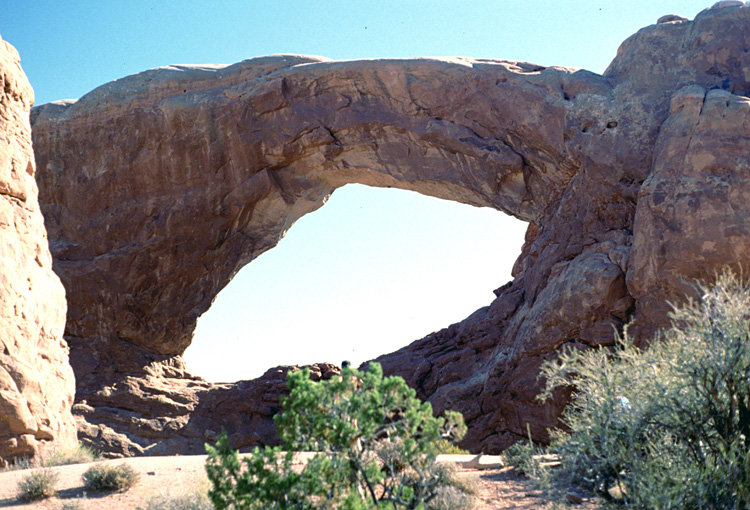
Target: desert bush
[(522, 456), (666, 427), (78, 454), (38, 484), (525, 457), (108, 477), (446, 447), (452, 492), (377, 446)]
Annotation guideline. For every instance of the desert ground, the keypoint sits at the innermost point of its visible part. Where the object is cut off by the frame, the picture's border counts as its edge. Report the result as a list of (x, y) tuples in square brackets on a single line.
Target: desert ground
[(497, 487)]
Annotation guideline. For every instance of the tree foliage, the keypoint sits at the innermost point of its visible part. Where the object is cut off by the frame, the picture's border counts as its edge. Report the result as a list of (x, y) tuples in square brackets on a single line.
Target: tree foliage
[(376, 445)]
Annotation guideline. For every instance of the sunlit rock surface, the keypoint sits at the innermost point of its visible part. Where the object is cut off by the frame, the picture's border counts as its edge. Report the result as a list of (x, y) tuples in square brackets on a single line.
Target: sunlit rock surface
[(36, 380), (157, 188)]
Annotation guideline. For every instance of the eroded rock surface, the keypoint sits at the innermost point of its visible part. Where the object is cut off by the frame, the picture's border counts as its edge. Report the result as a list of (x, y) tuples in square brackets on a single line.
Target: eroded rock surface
[(36, 381), (158, 415), (159, 187)]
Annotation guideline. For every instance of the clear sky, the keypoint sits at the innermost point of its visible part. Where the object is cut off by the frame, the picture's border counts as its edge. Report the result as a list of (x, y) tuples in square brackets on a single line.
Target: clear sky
[(373, 269)]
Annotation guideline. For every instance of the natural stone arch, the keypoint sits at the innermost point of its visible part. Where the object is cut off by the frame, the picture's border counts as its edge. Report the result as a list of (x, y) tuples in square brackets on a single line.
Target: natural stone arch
[(193, 171), (206, 168)]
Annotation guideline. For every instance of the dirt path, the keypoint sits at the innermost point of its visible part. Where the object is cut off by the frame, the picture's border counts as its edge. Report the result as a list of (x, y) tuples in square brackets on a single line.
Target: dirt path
[(500, 489), (497, 488)]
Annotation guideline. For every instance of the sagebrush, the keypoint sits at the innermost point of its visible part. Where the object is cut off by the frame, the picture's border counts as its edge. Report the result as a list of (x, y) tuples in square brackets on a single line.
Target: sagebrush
[(38, 484), (665, 427), (109, 477)]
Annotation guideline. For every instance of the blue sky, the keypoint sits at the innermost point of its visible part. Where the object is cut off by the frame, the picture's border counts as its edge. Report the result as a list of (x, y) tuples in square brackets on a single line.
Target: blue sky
[(373, 269)]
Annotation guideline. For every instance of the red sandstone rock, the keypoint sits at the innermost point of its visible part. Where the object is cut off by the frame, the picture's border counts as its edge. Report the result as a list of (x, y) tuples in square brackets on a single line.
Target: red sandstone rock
[(693, 210), (630, 181), (158, 415), (36, 381)]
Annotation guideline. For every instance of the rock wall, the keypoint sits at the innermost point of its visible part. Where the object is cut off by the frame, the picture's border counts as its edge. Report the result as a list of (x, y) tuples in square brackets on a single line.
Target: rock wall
[(36, 381), (157, 188)]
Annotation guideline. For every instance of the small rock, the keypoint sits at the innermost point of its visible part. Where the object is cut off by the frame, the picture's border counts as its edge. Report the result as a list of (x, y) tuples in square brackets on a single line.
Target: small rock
[(669, 18), (573, 499), (727, 3)]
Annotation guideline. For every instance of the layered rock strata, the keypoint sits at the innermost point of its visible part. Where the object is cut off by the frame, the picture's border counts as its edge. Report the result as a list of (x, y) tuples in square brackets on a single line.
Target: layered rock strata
[(157, 188), (36, 381)]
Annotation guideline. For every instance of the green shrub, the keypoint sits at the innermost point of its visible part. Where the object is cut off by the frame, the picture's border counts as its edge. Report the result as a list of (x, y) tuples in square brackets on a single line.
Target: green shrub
[(108, 477), (377, 446), (521, 456), (38, 484), (79, 454), (525, 457), (666, 427), (446, 447)]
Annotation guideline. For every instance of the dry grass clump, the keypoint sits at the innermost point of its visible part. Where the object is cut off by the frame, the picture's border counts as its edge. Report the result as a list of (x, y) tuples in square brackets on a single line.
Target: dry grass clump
[(79, 454)]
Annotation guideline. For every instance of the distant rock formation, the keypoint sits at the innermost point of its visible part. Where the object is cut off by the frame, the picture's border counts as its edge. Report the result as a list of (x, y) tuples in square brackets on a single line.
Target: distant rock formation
[(36, 381), (157, 188)]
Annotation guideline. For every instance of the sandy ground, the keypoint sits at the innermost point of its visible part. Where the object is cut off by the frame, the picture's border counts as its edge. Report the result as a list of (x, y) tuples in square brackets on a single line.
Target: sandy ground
[(497, 487)]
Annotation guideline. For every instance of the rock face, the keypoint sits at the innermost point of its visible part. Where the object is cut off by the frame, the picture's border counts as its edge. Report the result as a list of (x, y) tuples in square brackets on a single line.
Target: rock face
[(157, 188), (158, 415), (36, 381)]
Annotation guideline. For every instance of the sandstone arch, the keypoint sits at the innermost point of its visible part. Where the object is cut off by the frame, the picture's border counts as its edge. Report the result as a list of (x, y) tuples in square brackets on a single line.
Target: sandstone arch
[(250, 148), (156, 188)]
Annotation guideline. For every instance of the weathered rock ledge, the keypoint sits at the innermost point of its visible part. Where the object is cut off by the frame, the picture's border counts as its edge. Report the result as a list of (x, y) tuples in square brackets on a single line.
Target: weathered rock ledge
[(157, 188)]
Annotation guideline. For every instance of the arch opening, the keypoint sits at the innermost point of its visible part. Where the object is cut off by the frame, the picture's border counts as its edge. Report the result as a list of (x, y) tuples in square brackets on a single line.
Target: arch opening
[(372, 271)]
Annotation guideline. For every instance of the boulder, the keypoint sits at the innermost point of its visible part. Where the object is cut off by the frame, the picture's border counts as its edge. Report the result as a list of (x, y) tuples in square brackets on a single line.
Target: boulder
[(157, 188), (36, 381)]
